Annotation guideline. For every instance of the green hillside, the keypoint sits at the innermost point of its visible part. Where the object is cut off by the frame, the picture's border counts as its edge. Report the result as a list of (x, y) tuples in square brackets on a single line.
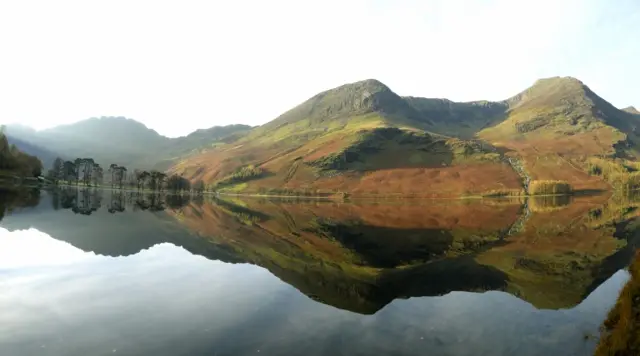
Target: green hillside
[(558, 106), (333, 141), (362, 137)]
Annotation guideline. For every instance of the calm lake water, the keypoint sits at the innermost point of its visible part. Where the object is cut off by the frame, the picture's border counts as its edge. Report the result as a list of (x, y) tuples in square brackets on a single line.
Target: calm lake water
[(86, 272)]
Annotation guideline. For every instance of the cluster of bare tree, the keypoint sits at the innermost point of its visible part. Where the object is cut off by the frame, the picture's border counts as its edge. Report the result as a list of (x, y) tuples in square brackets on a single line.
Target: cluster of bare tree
[(88, 172), (84, 170)]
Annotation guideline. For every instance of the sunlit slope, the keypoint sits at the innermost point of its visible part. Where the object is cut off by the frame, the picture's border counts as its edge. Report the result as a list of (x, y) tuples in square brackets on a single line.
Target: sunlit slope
[(558, 124), (359, 138), (363, 139)]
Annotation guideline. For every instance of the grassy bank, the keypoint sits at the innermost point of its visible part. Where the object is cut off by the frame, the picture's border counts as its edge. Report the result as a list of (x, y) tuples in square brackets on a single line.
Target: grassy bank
[(621, 330)]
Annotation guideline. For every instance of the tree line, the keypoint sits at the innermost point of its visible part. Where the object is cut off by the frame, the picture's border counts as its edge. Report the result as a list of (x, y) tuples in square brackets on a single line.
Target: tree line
[(87, 172)]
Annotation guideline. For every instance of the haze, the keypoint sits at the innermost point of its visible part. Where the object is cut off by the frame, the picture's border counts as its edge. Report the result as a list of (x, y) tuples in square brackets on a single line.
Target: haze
[(180, 66)]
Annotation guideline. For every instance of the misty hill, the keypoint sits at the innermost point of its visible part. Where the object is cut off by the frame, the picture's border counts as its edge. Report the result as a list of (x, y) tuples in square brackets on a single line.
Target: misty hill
[(119, 140), (46, 157), (364, 138)]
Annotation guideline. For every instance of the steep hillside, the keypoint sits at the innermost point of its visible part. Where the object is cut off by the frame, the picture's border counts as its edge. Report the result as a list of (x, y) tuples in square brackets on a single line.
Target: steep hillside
[(363, 139), (120, 140), (558, 124), (462, 120), (359, 138)]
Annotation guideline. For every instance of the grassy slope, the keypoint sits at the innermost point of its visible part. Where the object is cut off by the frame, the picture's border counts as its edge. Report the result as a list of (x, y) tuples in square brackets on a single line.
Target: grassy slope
[(557, 128), (557, 124), (359, 138)]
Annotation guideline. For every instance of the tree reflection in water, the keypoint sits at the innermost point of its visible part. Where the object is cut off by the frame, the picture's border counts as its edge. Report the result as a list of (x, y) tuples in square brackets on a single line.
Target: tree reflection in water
[(86, 201)]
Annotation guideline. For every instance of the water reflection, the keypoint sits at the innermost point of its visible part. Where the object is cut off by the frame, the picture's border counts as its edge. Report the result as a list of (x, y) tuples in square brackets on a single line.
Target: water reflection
[(87, 201), (517, 257)]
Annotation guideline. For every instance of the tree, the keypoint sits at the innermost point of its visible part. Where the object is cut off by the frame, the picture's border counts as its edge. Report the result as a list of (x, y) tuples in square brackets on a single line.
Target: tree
[(97, 174), (118, 174), (68, 170), (122, 175), (88, 170), (161, 177), (78, 164), (178, 183), (56, 173), (113, 169), (156, 179), (141, 177)]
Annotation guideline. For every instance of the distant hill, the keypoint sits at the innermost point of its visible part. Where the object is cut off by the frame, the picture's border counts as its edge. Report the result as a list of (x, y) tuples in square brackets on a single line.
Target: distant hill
[(46, 157), (632, 110), (362, 138), (119, 140)]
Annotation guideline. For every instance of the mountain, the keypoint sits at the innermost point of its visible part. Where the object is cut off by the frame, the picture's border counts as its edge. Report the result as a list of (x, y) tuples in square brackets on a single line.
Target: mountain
[(363, 139), (119, 140), (561, 130), (359, 138), (631, 110)]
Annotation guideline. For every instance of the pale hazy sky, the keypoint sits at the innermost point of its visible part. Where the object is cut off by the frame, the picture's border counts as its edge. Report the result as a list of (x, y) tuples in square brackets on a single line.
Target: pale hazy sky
[(181, 65)]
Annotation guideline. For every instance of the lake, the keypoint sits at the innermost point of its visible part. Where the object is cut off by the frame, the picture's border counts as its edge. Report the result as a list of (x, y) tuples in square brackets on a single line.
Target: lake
[(90, 272)]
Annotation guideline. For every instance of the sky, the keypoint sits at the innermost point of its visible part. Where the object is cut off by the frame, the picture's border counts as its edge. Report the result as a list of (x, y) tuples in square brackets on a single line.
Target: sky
[(177, 66)]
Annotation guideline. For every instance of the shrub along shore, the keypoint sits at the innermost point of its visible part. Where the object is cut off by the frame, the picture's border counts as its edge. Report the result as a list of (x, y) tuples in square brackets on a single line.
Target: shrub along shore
[(621, 331)]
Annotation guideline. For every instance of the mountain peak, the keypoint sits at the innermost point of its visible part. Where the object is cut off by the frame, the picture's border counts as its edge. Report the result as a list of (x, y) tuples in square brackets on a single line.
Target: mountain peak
[(552, 89), (558, 80), (632, 110), (371, 86), (341, 103)]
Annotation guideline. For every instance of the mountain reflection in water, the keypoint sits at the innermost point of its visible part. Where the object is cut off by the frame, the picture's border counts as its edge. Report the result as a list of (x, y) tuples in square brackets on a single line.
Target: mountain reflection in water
[(544, 267)]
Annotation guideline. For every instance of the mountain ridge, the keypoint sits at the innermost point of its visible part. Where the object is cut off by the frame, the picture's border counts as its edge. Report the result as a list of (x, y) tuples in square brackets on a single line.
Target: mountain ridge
[(361, 130), (361, 136)]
